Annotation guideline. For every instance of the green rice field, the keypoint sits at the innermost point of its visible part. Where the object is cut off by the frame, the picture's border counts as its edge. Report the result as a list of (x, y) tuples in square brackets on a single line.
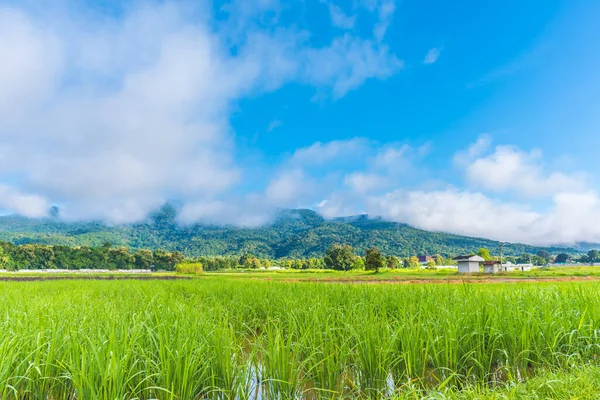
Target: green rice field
[(224, 338)]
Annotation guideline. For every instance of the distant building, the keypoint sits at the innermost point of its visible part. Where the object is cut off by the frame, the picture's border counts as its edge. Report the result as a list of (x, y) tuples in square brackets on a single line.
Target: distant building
[(517, 267), (491, 267), (468, 264), (425, 259)]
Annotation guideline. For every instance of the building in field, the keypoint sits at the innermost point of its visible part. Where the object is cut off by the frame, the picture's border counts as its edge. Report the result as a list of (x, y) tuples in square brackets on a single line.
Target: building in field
[(491, 267), (510, 267), (425, 259), (468, 264)]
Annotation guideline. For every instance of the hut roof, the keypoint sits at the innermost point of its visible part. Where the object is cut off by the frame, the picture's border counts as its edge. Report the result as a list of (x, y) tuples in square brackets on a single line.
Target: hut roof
[(469, 258)]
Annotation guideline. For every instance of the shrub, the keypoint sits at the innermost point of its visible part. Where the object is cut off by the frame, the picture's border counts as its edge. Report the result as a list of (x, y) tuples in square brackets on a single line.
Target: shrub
[(189, 268)]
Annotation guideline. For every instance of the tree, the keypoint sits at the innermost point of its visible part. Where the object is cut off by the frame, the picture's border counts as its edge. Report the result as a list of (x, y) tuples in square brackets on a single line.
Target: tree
[(120, 258), (162, 259), (524, 259), (439, 260), (431, 264), (340, 257), (374, 260), (539, 261), (392, 262), (412, 262), (484, 253), (594, 256), (143, 259), (359, 263), (251, 262), (176, 258), (545, 255), (4, 259), (562, 258)]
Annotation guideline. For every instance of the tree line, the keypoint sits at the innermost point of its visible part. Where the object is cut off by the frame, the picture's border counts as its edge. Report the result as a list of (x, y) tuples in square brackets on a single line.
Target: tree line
[(339, 257), (35, 256)]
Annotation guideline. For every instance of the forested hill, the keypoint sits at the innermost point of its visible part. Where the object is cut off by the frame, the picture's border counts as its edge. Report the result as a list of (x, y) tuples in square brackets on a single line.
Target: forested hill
[(293, 233)]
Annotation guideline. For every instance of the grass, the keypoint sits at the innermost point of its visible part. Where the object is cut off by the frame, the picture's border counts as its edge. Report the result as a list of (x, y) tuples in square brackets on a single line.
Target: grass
[(408, 274), (222, 338)]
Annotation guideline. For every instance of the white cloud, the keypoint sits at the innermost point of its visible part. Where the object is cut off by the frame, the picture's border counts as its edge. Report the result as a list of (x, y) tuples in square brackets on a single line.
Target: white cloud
[(510, 169), (432, 56), (248, 212), (571, 218), (393, 158), (364, 182), (465, 157), (385, 10), (339, 18), (274, 125), (29, 205), (288, 186), (570, 215), (466, 213), (349, 62), (320, 153), (116, 116)]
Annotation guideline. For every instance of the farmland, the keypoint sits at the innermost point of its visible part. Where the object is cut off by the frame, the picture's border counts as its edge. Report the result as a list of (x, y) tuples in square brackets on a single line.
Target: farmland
[(224, 337)]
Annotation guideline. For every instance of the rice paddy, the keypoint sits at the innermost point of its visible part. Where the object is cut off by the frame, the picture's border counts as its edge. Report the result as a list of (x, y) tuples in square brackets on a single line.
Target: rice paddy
[(220, 338)]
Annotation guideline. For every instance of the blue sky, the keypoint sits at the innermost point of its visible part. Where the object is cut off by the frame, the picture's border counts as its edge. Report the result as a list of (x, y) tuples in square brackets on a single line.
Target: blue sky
[(478, 118)]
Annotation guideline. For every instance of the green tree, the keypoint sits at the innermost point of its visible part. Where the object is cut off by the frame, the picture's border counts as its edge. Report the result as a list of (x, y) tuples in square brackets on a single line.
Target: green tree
[(431, 264), (524, 259), (412, 262), (340, 257), (359, 263), (594, 256), (545, 255), (162, 259), (439, 260), (392, 262), (562, 258), (374, 260), (120, 258), (4, 259), (176, 258), (143, 259), (484, 253)]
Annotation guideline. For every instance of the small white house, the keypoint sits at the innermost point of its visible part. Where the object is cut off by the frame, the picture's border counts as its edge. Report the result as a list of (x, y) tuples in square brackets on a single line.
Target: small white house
[(491, 267), (468, 264)]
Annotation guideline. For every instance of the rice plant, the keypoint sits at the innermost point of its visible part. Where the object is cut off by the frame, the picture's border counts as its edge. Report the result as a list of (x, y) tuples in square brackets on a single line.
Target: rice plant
[(222, 338)]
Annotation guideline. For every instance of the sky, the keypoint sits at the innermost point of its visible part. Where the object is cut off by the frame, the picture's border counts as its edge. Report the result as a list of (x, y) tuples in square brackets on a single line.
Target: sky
[(475, 118)]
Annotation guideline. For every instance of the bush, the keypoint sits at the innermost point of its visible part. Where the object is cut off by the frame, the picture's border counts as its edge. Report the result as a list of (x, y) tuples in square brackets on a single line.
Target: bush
[(189, 268)]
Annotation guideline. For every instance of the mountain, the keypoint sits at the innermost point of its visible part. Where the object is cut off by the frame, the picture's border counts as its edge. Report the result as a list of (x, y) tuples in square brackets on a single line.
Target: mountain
[(292, 233)]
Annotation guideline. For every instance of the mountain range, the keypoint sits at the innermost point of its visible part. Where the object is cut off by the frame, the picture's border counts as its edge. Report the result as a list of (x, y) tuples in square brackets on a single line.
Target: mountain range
[(294, 233)]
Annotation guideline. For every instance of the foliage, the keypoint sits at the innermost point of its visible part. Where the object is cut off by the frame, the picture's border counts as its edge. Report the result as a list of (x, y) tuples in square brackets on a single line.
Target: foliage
[(374, 260), (392, 262), (544, 255), (34, 256), (359, 263), (412, 262), (593, 256), (340, 257), (484, 253), (219, 338), (562, 258), (4, 259), (189, 268)]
